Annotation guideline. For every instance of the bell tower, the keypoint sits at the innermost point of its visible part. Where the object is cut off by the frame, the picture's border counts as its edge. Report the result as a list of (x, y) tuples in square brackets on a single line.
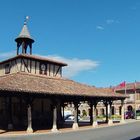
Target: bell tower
[(24, 40)]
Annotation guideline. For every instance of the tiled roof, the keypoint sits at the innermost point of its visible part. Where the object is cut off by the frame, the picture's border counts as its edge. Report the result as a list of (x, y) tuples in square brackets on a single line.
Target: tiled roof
[(35, 58), (24, 82), (129, 86)]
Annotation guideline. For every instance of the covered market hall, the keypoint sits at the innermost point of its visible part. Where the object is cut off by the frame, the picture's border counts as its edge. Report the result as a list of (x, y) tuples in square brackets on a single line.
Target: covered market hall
[(33, 92)]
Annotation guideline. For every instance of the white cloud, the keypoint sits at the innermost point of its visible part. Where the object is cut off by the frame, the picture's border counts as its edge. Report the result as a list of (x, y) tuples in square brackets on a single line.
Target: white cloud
[(100, 27), (110, 21), (4, 55), (107, 22), (75, 65)]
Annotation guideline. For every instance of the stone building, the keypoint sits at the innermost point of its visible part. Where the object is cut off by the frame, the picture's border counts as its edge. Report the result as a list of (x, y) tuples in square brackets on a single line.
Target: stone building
[(132, 103)]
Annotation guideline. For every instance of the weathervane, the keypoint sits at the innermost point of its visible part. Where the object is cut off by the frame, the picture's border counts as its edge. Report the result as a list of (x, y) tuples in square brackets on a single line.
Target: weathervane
[(26, 19)]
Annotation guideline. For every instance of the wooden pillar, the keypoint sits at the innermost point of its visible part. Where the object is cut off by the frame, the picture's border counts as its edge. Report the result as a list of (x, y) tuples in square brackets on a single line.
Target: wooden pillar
[(75, 124), (106, 106), (30, 48), (18, 49), (10, 121), (63, 111), (29, 115), (20, 115), (59, 114), (54, 128), (29, 101), (95, 124), (91, 112), (122, 111), (23, 47), (110, 122), (42, 107)]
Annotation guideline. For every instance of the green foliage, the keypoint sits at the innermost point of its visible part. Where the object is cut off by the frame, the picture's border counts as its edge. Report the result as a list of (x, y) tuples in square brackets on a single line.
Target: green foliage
[(84, 113), (101, 117), (116, 116)]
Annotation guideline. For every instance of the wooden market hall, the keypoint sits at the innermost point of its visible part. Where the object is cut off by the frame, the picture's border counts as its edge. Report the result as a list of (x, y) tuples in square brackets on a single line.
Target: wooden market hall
[(34, 93)]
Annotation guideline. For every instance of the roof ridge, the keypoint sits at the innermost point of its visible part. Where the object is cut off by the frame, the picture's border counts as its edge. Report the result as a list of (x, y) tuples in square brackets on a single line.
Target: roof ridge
[(41, 76), (41, 57), (35, 57)]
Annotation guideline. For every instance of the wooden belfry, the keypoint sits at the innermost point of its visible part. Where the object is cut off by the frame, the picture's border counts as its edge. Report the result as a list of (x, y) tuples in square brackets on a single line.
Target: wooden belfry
[(24, 40)]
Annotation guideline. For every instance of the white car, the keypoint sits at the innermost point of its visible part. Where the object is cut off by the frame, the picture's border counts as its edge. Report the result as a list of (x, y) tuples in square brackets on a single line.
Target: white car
[(71, 118)]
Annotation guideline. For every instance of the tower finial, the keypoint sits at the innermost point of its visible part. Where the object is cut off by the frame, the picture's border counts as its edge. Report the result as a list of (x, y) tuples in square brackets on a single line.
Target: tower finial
[(26, 19)]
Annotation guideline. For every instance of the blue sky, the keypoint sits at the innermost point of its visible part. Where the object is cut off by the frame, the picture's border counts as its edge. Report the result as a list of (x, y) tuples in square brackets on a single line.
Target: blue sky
[(99, 39)]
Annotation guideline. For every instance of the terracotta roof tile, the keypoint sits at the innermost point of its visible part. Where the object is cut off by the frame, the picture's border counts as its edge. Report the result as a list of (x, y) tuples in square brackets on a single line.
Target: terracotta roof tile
[(46, 85)]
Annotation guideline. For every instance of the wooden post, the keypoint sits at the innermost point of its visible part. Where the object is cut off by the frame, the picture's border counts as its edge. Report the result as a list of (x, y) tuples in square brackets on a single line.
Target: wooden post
[(30, 48), (10, 124), (29, 101), (122, 111), (63, 111), (17, 49), (29, 113), (106, 106), (20, 115), (95, 124), (75, 124), (59, 114), (110, 122), (54, 128), (62, 115), (91, 113)]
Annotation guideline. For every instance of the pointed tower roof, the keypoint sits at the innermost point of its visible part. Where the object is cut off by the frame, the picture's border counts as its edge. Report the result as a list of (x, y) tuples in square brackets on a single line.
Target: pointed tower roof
[(24, 40), (24, 34)]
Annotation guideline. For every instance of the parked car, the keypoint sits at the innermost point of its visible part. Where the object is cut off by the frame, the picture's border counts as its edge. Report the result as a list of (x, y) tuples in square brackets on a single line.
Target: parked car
[(138, 114), (67, 116), (70, 118), (129, 115)]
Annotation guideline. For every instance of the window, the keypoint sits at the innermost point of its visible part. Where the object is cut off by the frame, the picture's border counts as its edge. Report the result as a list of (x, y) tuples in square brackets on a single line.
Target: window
[(7, 68), (43, 68)]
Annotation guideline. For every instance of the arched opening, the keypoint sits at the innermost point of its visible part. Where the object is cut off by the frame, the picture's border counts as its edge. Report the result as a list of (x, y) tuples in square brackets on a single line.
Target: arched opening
[(130, 108), (102, 111), (84, 113)]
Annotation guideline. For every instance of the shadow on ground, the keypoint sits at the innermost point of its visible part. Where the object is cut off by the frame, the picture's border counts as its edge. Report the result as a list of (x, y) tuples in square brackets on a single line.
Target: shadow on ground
[(137, 138)]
